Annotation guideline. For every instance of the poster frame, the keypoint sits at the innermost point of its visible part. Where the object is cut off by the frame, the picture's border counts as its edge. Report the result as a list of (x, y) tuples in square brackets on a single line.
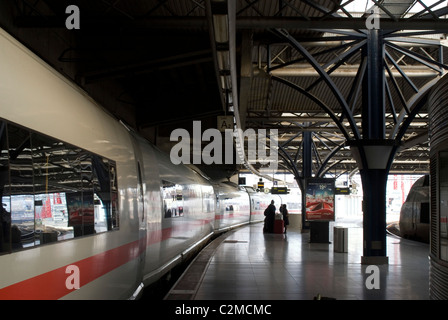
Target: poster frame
[(312, 200)]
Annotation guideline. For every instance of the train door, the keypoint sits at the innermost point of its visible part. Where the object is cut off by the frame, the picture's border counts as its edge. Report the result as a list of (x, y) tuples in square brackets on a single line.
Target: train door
[(415, 211), (140, 197), (140, 203)]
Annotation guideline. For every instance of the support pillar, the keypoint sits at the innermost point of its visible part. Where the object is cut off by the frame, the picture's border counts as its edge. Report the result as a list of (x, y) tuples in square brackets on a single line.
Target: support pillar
[(306, 172), (374, 223), (373, 152), (374, 158)]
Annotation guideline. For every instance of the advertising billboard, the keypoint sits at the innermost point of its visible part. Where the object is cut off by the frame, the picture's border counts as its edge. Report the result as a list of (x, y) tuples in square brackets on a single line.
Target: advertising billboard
[(320, 199)]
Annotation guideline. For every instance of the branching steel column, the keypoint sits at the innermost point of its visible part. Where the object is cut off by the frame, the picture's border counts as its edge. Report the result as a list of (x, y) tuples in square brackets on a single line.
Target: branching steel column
[(374, 153), (374, 215), (333, 88), (374, 107)]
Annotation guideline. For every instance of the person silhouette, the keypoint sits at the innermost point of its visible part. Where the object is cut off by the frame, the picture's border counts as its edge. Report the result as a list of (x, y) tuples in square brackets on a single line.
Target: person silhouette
[(285, 214), (270, 218)]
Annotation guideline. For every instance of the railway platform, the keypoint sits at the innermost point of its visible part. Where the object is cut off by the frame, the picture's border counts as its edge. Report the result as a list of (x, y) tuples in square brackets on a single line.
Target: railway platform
[(246, 264)]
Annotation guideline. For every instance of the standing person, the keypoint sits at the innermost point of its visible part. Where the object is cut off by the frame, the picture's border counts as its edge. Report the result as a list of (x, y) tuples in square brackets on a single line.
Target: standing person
[(285, 214), (270, 218)]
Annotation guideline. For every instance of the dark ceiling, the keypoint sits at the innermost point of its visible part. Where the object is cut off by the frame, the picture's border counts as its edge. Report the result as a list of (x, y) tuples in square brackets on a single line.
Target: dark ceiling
[(164, 73)]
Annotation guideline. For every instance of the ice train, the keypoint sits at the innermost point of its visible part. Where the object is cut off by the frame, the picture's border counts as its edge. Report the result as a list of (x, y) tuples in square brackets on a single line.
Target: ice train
[(414, 213), (89, 209)]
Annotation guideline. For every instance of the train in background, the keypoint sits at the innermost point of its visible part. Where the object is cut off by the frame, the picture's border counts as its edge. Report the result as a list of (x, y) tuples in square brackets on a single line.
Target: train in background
[(90, 210), (415, 212), (234, 204)]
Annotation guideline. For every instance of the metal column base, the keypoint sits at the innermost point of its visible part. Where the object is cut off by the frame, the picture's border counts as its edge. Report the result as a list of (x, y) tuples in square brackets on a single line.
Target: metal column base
[(319, 232), (374, 260)]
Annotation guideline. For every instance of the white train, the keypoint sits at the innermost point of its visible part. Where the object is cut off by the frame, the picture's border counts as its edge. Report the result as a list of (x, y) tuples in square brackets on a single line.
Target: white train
[(415, 213), (89, 209)]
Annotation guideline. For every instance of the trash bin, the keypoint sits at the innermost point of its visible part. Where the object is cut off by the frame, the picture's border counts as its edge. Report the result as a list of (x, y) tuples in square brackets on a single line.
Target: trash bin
[(340, 239)]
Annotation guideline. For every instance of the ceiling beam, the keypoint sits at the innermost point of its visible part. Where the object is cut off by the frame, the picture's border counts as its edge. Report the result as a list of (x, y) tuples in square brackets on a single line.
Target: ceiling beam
[(305, 70), (312, 23)]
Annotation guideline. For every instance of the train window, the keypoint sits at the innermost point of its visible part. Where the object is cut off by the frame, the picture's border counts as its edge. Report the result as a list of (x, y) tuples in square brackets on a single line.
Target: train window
[(5, 217), (106, 194), (173, 202), (51, 190), (443, 204), (208, 199), (424, 212), (21, 188)]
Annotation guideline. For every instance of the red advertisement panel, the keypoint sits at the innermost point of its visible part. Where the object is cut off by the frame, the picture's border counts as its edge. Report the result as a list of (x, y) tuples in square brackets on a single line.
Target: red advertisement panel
[(320, 199)]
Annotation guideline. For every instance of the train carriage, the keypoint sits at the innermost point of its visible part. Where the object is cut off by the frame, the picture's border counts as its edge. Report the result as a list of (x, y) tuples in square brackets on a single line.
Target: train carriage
[(55, 139), (90, 210), (414, 213), (232, 206)]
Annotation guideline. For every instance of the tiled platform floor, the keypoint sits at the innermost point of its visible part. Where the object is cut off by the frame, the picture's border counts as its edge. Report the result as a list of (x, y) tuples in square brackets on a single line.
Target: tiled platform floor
[(247, 264)]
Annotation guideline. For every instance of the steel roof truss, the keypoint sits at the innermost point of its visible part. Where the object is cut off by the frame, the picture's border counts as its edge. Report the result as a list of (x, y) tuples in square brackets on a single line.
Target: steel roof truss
[(409, 81), (430, 63), (391, 101), (323, 74)]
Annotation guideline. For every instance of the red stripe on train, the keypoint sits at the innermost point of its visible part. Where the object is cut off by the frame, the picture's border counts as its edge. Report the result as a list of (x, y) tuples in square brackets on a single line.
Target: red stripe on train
[(52, 285)]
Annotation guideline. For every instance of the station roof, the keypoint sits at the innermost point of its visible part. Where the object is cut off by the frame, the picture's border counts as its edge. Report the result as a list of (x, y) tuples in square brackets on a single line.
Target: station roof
[(160, 64)]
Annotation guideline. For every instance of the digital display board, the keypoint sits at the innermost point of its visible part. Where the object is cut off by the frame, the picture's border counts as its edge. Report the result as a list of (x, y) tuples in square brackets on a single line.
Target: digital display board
[(279, 190)]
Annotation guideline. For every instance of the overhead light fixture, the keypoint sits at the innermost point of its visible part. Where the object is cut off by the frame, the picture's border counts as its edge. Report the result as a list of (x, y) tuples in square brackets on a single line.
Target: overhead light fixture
[(221, 26), (223, 58)]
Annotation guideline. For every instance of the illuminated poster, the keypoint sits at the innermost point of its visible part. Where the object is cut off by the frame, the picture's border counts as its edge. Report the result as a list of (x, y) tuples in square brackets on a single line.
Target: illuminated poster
[(80, 209), (320, 199)]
